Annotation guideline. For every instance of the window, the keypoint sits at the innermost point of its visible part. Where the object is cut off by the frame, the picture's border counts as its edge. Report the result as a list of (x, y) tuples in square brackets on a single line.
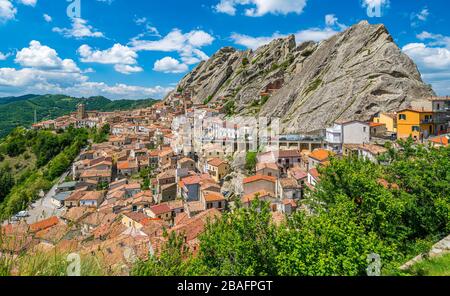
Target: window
[(416, 128), (364, 129), (402, 116)]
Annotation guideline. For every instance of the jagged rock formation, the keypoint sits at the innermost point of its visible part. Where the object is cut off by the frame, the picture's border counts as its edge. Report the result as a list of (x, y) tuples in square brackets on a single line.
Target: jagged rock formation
[(352, 75)]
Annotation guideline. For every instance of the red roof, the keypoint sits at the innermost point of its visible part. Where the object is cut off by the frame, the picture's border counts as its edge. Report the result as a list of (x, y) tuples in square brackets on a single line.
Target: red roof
[(320, 154), (259, 178), (216, 162), (440, 140), (210, 196), (160, 209), (315, 173), (44, 224), (191, 180)]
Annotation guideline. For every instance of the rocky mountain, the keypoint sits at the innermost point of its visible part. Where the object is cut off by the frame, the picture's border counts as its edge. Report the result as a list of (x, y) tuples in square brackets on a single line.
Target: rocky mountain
[(352, 75)]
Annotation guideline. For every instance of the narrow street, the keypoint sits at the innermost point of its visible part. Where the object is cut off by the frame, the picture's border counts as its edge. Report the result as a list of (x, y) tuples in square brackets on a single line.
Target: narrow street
[(44, 208)]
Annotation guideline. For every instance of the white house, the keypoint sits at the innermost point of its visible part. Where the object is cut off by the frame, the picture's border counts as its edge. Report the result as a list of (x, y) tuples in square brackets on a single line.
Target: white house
[(351, 132)]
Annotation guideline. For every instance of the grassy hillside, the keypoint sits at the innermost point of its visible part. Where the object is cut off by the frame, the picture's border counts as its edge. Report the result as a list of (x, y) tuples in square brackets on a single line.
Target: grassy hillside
[(19, 111), (439, 266), (30, 162)]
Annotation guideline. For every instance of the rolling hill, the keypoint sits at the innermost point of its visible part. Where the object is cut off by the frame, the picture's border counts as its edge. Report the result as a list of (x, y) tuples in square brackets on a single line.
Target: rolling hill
[(19, 111)]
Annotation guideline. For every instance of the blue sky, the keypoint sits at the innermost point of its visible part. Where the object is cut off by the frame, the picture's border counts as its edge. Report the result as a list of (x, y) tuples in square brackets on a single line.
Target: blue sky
[(137, 49)]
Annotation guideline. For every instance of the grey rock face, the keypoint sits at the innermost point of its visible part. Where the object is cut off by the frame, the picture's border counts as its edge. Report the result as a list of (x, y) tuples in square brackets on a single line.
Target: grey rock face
[(352, 75)]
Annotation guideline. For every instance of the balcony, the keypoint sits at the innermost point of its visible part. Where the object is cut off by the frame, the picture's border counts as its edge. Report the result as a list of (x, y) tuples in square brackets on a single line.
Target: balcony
[(427, 121), (334, 139)]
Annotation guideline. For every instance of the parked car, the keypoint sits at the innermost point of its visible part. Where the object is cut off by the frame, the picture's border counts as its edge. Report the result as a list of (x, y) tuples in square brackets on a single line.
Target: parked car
[(23, 214)]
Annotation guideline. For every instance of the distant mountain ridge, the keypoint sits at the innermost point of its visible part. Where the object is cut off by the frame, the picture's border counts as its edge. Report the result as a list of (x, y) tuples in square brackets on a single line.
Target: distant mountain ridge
[(351, 76), (19, 111)]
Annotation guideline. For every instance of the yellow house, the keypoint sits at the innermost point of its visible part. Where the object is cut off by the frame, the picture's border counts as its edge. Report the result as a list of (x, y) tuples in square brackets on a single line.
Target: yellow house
[(389, 119), (135, 220), (417, 123), (218, 169)]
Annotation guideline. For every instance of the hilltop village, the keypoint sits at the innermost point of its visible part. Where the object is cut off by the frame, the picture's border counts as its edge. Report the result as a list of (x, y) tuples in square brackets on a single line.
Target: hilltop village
[(176, 166)]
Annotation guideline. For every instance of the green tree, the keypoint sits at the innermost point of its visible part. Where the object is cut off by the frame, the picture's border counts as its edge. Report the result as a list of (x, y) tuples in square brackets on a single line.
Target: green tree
[(250, 161), (6, 182), (331, 243), (101, 134), (241, 243), (170, 261)]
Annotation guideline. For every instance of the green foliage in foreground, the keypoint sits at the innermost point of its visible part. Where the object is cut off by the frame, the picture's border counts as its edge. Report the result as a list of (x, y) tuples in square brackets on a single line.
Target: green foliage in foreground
[(54, 153), (49, 264), (439, 266), (354, 215)]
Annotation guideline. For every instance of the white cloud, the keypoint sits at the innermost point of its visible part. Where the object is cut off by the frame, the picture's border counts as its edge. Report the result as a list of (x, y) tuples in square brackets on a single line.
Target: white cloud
[(149, 30), (419, 18), (7, 11), (170, 65), (79, 29), (256, 8), (332, 21), (188, 45), (423, 14), (4, 56), (47, 18), (175, 41), (123, 57), (43, 71), (25, 81), (117, 91), (118, 54), (315, 34), (434, 39), (432, 56), (28, 2), (312, 34), (127, 69), (428, 57), (43, 57), (254, 42)]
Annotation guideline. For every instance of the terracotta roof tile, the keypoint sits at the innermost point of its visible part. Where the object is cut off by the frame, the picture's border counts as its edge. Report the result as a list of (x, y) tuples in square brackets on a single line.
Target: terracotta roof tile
[(44, 224), (259, 178)]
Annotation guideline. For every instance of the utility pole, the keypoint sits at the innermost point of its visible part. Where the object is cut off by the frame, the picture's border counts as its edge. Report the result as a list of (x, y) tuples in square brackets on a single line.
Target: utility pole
[(35, 116)]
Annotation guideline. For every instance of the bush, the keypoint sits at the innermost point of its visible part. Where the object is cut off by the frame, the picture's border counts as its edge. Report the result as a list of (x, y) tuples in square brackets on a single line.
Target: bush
[(250, 161), (15, 147)]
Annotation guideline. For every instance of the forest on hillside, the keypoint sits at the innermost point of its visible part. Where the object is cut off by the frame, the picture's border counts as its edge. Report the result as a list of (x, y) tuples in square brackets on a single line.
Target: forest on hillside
[(19, 111)]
